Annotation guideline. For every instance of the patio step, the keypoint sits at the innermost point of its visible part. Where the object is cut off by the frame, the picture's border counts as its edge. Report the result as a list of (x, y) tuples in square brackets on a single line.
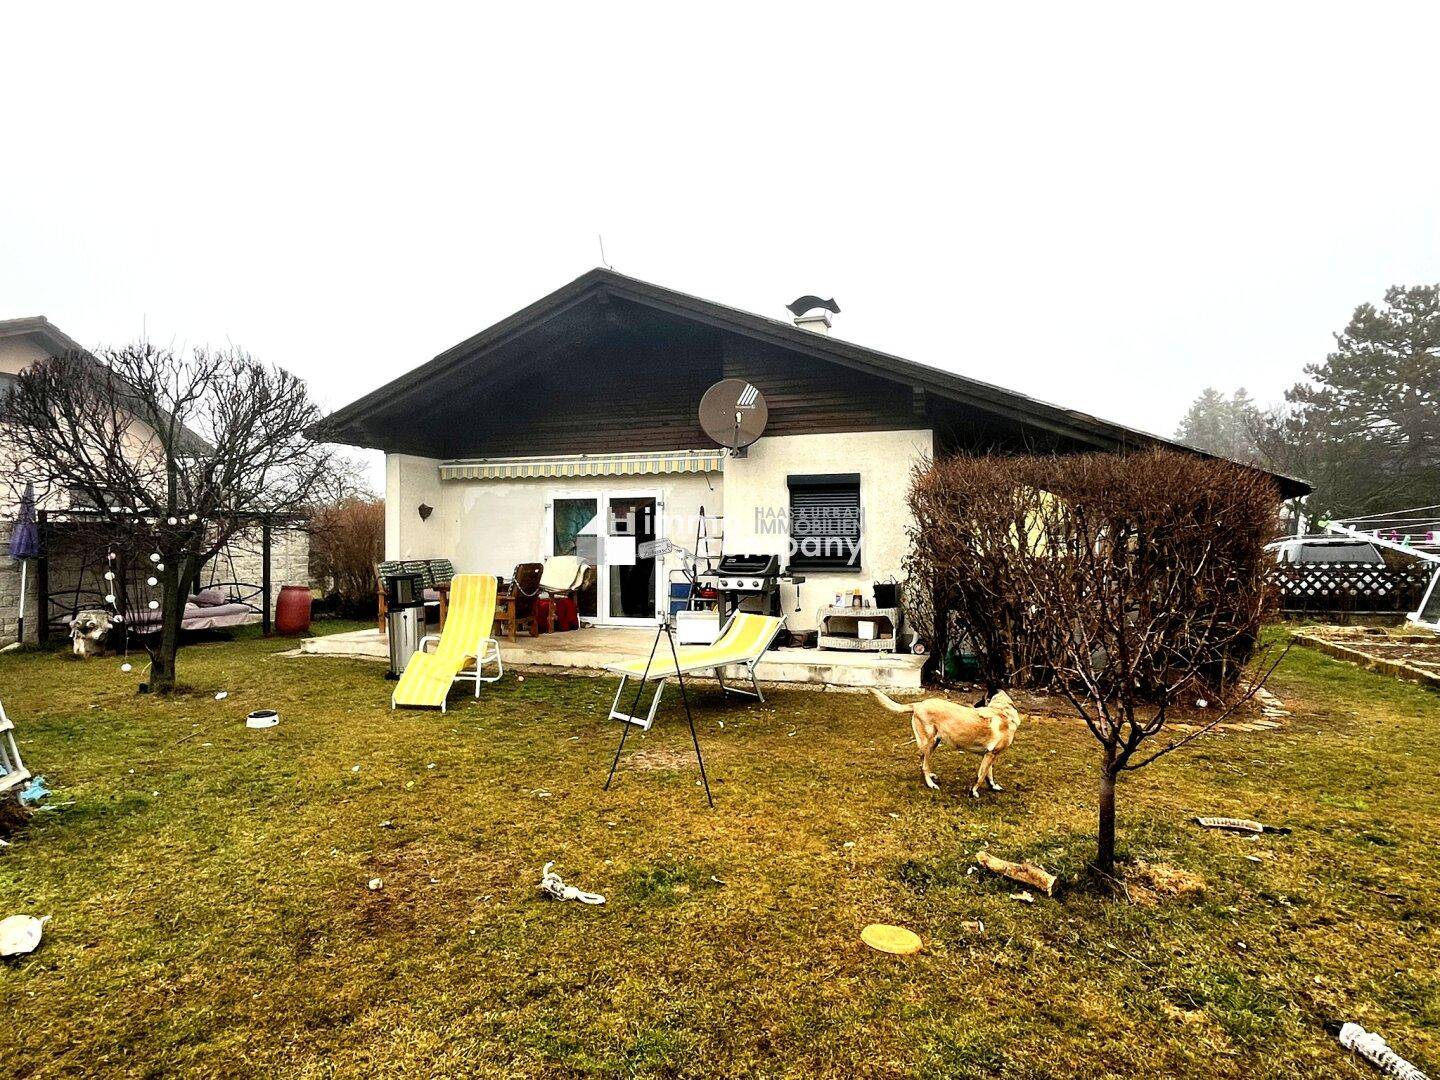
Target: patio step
[(590, 650)]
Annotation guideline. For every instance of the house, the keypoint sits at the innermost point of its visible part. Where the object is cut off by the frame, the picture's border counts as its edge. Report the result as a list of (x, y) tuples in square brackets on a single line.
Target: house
[(579, 415), (69, 577)]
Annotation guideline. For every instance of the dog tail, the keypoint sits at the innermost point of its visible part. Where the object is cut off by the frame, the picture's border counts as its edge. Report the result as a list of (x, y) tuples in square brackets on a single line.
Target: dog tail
[(890, 703)]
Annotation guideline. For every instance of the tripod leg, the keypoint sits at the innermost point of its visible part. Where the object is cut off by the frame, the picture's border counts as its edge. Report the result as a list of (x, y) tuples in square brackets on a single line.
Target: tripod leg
[(639, 687), (690, 719)]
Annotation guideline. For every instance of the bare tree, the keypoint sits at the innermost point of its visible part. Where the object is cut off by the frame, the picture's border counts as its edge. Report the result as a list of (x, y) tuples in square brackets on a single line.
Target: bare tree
[(177, 452), (1131, 585), (347, 540)]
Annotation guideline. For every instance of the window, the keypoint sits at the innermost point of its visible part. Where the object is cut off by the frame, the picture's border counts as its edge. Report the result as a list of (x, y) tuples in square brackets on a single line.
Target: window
[(825, 522)]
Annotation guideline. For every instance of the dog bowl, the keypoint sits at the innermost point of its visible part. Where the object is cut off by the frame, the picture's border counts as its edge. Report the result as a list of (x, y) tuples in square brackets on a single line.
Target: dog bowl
[(262, 718)]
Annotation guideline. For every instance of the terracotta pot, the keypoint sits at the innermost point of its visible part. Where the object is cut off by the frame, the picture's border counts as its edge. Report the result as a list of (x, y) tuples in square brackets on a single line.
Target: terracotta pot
[(292, 611)]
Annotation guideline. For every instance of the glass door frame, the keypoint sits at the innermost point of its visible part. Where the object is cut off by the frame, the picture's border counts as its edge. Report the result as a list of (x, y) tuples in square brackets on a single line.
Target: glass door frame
[(602, 497)]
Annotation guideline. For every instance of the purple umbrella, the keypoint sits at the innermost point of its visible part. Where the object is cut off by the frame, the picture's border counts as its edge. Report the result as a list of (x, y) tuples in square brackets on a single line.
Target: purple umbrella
[(24, 544)]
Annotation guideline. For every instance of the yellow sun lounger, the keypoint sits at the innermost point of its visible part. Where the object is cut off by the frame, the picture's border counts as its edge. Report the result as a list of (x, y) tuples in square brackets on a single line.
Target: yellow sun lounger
[(743, 641), (465, 640)]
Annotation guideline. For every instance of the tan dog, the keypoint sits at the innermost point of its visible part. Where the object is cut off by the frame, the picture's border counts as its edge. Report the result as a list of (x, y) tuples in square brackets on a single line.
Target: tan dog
[(987, 730)]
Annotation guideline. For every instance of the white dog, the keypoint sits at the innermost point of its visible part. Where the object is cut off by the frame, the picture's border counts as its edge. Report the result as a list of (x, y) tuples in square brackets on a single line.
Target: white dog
[(88, 631)]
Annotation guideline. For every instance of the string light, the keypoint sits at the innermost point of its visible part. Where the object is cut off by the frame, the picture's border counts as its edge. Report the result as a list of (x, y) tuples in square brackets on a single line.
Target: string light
[(109, 575), (154, 556), (152, 581)]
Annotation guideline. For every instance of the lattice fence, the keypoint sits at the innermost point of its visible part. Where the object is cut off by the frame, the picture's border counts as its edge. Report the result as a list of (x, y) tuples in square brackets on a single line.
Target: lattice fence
[(1346, 588)]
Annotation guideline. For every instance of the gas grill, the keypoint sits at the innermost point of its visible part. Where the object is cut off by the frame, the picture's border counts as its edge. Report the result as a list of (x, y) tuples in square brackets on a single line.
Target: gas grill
[(738, 577)]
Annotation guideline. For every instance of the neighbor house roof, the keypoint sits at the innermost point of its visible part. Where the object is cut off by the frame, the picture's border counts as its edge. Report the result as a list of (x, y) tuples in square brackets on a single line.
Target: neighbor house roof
[(356, 422), (55, 343), (51, 336)]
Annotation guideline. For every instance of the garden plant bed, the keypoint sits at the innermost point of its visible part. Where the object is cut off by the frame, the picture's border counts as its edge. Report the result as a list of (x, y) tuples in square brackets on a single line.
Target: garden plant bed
[(1414, 657), (211, 913)]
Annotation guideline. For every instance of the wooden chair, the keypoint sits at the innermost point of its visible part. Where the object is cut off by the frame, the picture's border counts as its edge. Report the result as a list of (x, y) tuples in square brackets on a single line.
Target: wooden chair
[(382, 571), (515, 603)]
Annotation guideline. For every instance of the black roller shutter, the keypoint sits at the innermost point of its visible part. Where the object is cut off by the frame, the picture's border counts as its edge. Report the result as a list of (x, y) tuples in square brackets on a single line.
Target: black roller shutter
[(825, 521)]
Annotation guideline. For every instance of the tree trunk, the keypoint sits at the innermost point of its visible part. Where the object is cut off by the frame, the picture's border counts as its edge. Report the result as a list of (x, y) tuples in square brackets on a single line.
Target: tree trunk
[(1105, 846), (173, 581)]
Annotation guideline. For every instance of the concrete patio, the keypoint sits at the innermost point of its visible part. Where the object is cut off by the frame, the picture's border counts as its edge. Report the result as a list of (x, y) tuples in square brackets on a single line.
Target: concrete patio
[(588, 650)]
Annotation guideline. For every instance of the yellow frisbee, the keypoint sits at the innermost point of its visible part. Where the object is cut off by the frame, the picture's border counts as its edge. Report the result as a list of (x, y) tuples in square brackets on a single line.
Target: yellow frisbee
[(891, 939)]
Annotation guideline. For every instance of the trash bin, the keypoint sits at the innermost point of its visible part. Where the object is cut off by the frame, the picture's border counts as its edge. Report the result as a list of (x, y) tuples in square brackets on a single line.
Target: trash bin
[(404, 618)]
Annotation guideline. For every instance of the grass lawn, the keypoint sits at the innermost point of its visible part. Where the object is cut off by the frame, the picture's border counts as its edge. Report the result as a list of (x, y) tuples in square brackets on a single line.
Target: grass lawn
[(211, 913)]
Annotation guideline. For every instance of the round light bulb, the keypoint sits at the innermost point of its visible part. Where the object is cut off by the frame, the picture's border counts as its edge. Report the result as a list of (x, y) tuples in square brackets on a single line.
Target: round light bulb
[(110, 598), (126, 667), (118, 618), (159, 566), (194, 517), (152, 581), (154, 556), (172, 521), (154, 604), (109, 575)]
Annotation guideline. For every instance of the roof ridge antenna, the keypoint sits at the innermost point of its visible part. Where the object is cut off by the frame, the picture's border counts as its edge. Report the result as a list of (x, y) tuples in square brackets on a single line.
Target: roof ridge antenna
[(603, 261)]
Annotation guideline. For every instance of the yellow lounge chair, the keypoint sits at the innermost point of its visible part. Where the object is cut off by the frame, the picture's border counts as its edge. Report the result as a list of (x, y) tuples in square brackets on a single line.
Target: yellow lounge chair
[(465, 639), (742, 641)]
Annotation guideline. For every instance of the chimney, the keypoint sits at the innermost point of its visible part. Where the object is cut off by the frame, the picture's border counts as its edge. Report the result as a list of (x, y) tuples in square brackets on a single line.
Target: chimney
[(812, 313)]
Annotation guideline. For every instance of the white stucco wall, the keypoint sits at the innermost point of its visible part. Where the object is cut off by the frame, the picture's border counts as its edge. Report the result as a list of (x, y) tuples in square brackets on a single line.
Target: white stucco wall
[(18, 353), (495, 524), (487, 526), (757, 483), (410, 481)]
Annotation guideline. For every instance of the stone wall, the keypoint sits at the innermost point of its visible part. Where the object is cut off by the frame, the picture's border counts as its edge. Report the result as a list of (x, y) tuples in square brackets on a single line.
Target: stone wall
[(289, 562), (10, 600)]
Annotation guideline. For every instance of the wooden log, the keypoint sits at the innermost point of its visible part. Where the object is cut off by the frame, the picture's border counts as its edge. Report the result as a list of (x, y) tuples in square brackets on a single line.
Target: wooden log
[(1027, 873)]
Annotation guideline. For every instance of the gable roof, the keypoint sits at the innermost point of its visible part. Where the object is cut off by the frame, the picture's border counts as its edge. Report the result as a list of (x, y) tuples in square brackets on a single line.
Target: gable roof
[(349, 424), (51, 336)]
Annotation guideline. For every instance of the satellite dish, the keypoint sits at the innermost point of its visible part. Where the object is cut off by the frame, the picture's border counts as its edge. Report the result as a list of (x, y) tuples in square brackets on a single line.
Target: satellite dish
[(733, 413)]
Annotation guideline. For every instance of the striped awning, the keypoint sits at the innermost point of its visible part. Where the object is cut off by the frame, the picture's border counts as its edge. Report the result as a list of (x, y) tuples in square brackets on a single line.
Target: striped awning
[(573, 465)]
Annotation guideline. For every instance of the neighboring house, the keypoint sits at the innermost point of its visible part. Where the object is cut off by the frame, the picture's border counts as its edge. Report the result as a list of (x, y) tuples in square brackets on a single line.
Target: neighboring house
[(578, 415), (71, 577)]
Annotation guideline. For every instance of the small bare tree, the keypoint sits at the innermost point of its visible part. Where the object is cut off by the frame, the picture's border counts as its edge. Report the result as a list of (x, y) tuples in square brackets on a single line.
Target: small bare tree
[(1129, 584), (171, 451), (347, 539)]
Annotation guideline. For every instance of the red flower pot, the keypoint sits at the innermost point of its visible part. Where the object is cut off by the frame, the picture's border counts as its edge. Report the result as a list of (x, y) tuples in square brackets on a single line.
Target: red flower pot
[(292, 610)]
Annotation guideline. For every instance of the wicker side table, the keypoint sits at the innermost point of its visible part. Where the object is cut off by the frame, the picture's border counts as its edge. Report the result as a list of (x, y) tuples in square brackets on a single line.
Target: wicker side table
[(840, 628)]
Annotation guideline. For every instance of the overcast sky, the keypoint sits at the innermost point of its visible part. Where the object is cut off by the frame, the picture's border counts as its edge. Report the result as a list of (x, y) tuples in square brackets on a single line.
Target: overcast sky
[(1106, 206)]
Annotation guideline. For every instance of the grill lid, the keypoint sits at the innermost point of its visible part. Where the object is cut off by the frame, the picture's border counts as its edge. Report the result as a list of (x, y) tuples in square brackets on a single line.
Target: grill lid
[(750, 565)]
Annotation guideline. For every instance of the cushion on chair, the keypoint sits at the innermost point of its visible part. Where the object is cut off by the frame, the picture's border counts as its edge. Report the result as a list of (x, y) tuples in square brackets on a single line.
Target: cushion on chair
[(442, 572), (421, 567), (562, 573)]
